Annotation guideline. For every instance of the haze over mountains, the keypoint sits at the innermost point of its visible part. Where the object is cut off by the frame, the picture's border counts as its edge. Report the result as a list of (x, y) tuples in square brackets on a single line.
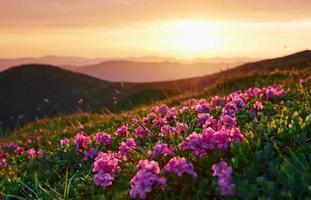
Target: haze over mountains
[(133, 69)]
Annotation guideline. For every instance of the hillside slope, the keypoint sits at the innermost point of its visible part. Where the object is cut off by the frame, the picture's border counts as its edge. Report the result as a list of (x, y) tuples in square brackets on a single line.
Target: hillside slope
[(251, 141)]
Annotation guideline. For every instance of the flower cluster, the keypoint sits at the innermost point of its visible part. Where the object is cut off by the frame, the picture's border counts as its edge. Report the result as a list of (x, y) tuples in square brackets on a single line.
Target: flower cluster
[(64, 142), (103, 138), (105, 168), (122, 131), (201, 144), (180, 166), (92, 153), (82, 141), (167, 130), (147, 176), (32, 153), (125, 147), (142, 132), (161, 149), (223, 172)]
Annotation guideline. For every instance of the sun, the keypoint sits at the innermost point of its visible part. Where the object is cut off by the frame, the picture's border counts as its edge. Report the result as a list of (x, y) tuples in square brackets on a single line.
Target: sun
[(192, 36)]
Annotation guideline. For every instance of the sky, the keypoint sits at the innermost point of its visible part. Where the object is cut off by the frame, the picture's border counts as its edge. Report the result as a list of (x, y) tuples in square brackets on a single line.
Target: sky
[(166, 28)]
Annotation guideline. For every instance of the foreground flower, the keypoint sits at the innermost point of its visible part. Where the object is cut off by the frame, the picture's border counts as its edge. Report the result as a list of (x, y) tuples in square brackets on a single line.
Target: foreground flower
[(31, 153), (92, 153), (168, 130), (64, 142), (161, 149), (145, 179), (142, 132), (201, 144), (180, 166), (258, 106), (122, 131), (103, 138), (3, 163), (82, 141), (105, 168), (125, 147), (223, 172)]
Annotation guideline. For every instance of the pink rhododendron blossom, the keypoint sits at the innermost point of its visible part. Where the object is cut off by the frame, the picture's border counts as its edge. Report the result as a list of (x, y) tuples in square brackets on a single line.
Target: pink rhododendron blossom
[(105, 167), (103, 138), (203, 106), (3, 163), (64, 142), (145, 179), (142, 132), (82, 141), (202, 118), (258, 106), (162, 110), (182, 127), (125, 147), (223, 172), (39, 153), (92, 153), (19, 150), (159, 122), (167, 130), (161, 149), (228, 120), (180, 166), (122, 131), (31, 153)]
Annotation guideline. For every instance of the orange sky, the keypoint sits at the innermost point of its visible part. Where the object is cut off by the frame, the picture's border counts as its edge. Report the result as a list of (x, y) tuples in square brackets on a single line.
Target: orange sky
[(176, 28)]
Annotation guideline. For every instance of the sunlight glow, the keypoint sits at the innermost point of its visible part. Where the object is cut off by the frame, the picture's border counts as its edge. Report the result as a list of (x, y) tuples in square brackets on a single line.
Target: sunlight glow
[(192, 36)]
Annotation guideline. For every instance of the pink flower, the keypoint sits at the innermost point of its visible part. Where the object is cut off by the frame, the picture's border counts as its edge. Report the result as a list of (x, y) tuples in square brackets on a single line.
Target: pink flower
[(161, 149), (125, 147), (180, 166), (162, 110), (31, 153), (182, 127), (217, 101), (103, 138), (3, 163), (258, 106), (201, 144), (142, 132), (145, 179), (122, 131), (223, 172), (167, 130), (203, 106), (105, 167), (228, 120), (19, 150), (103, 179), (202, 118), (39, 153), (64, 142), (90, 154), (159, 121), (82, 141)]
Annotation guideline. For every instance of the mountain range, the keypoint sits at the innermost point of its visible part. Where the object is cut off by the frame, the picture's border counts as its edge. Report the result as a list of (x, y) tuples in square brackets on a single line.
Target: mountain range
[(132, 69)]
